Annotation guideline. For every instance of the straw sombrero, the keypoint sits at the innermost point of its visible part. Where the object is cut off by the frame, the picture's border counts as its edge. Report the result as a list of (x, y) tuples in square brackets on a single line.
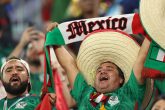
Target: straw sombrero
[(107, 45), (152, 15)]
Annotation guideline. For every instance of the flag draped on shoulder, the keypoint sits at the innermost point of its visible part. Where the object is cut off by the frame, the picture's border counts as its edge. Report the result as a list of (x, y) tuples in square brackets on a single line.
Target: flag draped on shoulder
[(155, 62)]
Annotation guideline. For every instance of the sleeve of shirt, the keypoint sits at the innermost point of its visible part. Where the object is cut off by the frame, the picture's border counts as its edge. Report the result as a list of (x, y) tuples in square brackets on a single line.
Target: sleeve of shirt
[(160, 85), (79, 87), (136, 90)]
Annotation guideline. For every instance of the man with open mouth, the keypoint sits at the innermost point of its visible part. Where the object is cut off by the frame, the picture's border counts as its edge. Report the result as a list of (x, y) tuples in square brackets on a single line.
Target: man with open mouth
[(15, 75), (106, 75)]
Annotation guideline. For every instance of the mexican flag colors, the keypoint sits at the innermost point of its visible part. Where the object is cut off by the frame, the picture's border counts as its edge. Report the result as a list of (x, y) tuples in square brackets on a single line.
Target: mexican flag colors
[(155, 62)]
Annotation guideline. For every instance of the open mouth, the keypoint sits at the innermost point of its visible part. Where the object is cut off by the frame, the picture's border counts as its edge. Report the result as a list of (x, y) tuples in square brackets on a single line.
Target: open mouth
[(103, 78), (15, 79)]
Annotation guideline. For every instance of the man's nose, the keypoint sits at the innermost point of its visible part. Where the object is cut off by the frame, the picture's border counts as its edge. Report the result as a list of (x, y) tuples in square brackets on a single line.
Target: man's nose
[(15, 71), (103, 71)]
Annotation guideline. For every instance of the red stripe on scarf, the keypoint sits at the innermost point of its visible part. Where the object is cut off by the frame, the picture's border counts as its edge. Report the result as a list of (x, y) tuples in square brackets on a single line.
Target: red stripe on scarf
[(93, 97), (164, 59), (136, 106), (60, 100), (137, 26), (44, 104), (152, 73)]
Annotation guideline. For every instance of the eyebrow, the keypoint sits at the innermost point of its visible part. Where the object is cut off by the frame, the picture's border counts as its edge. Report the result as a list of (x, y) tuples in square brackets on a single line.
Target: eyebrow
[(12, 67), (8, 68), (106, 66), (110, 66), (19, 67)]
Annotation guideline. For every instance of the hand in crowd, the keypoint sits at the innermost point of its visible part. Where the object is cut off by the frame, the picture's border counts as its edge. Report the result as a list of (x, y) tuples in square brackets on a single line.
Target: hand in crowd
[(27, 35), (33, 38), (51, 26), (52, 98), (37, 42)]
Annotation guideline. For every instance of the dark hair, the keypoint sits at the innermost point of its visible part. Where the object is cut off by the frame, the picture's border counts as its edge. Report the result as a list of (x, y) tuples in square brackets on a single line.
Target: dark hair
[(121, 74), (12, 57), (161, 97)]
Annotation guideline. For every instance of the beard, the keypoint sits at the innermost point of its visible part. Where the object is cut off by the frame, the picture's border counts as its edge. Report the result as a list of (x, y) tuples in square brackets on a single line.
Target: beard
[(15, 89)]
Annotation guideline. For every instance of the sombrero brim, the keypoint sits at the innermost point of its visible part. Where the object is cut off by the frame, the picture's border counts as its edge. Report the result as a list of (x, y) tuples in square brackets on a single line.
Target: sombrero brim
[(107, 45), (153, 19)]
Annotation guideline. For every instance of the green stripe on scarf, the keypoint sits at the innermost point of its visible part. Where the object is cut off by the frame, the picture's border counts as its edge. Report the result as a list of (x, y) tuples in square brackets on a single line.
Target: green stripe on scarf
[(154, 52), (152, 65), (54, 38), (49, 71)]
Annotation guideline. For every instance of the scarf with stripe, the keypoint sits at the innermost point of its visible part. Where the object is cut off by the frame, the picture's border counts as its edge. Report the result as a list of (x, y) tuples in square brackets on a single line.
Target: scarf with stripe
[(155, 62), (96, 98)]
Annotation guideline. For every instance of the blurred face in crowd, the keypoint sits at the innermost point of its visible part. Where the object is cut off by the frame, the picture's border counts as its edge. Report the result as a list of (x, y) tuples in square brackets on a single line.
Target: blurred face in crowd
[(107, 78), (88, 6), (35, 47), (15, 77), (159, 105), (31, 52)]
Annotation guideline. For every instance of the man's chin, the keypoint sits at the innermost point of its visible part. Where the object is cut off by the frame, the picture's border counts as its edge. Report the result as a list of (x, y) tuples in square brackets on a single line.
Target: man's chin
[(15, 84), (103, 89), (15, 88), (103, 85)]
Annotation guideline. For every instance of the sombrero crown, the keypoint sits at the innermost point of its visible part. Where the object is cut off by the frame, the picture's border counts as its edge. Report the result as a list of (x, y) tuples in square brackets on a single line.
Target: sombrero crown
[(152, 15), (107, 45)]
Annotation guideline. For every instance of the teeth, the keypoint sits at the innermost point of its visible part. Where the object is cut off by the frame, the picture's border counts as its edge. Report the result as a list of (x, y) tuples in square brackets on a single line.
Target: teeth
[(15, 79), (103, 78)]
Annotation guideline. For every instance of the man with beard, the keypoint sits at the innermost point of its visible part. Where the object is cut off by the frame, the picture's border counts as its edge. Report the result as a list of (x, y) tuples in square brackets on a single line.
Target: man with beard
[(31, 44), (15, 75)]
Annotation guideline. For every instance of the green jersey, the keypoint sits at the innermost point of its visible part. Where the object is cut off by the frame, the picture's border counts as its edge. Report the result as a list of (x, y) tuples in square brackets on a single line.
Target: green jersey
[(36, 82), (123, 98), (20, 103)]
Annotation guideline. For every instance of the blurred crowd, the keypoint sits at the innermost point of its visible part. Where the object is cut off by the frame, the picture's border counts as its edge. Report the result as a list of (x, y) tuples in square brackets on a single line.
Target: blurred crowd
[(22, 20), (23, 27)]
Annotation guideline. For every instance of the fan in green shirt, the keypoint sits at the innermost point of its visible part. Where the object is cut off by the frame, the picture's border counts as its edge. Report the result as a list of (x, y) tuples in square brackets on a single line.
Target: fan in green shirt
[(125, 97), (26, 102), (101, 77), (15, 75)]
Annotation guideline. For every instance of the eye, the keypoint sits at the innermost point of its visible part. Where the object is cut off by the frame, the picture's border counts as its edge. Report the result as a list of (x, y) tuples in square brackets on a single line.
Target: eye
[(8, 70), (99, 70), (20, 69), (109, 69)]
